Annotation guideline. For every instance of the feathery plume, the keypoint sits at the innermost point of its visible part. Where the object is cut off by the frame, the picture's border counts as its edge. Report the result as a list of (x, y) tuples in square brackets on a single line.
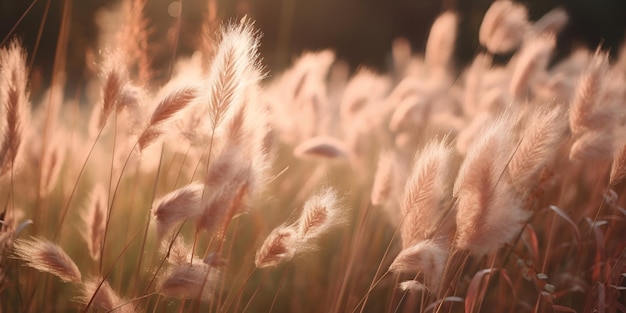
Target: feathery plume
[(321, 146), (177, 252), (104, 297), (551, 23), (503, 27), (114, 82), (233, 70), (383, 178), (189, 281), (134, 40), (176, 206), (167, 108), (489, 214), (52, 162), (364, 89), (585, 111), (593, 145), (412, 285), (47, 257), (94, 219), (542, 136), (427, 257), (531, 63), (320, 213), (227, 174), (401, 55), (410, 113), (441, 40), (278, 247), (14, 98), (424, 193), (618, 167)]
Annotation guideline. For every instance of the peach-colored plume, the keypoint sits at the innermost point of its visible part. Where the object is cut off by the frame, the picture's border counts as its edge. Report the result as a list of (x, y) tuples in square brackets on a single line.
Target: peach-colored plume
[(233, 70), (412, 285), (14, 98), (176, 206), (531, 63), (383, 179), (489, 213), (551, 23), (189, 281), (428, 257), (47, 257), (165, 110), (441, 42), (94, 221), (104, 297), (545, 132), (503, 27), (322, 146), (424, 193), (52, 161), (278, 247), (586, 111), (593, 145), (618, 167), (320, 213)]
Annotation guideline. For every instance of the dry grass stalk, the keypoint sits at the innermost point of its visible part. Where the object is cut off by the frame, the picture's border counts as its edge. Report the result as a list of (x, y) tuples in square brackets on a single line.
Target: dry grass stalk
[(166, 109), (531, 63), (424, 194), (14, 99), (104, 297), (94, 221), (321, 146), (189, 281), (176, 206), (47, 257), (503, 27)]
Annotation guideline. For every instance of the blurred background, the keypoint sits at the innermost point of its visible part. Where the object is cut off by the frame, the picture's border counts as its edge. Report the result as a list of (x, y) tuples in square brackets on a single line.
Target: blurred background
[(359, 31)]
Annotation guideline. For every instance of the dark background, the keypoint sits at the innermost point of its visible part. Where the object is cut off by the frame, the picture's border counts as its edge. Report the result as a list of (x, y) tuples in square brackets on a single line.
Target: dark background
[(359, 31)]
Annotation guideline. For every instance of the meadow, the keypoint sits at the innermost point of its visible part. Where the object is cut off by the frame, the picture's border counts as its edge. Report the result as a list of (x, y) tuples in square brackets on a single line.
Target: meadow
[(495, 187)]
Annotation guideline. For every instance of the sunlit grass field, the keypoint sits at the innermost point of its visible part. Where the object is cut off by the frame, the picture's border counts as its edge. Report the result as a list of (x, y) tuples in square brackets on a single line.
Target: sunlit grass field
[(426, 187)]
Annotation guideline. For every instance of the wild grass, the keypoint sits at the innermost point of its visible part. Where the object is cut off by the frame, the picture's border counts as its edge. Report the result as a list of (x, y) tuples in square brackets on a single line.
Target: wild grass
[(427, 188)]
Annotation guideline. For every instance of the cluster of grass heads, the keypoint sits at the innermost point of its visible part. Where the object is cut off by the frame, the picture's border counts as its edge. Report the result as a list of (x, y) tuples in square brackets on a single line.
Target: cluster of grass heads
[(492, 188)]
